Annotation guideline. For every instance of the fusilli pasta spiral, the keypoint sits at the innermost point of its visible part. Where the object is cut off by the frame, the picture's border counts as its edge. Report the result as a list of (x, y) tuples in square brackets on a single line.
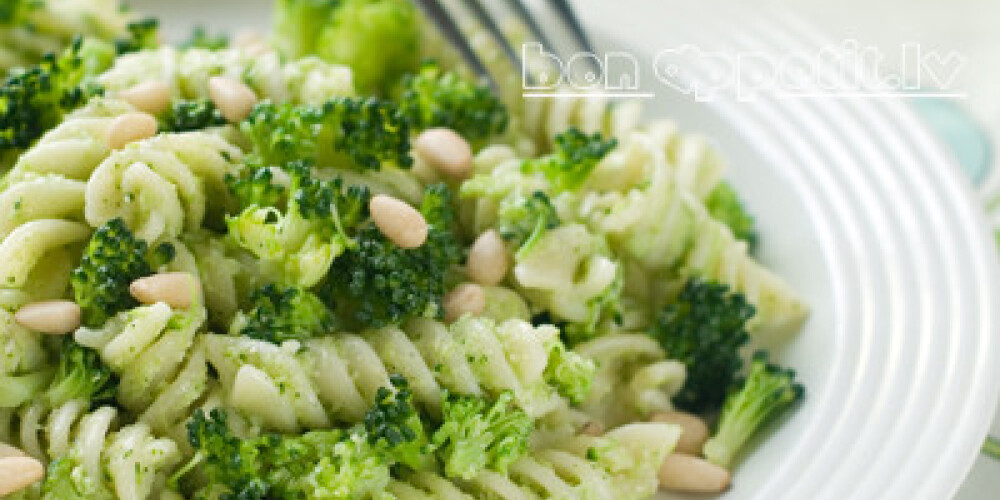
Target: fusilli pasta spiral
[(164, 185), (289, 388), (162, 370), (130, 461), (186, 72), (622, 464)]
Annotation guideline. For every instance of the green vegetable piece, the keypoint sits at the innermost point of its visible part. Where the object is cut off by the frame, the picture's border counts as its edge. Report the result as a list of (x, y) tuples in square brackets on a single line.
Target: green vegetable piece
[(705, 329), (766, 393), (112, 260)]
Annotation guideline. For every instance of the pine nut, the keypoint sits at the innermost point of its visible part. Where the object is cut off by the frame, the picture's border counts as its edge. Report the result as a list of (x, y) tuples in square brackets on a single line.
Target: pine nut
[(7, 450), (446, 151), (692, 475), (152, 97), (487, 263), (234, 98), (17, 473), (54, 316), (694, 431), (398, 221), (178, 290), (129, 128), (467, 298)]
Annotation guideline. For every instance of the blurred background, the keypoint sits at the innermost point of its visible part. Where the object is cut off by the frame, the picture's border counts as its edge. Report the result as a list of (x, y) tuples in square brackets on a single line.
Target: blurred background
[(971, 126)]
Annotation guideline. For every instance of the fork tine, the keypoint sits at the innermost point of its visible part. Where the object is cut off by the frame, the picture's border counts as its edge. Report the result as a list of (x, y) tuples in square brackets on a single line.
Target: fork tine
[(525, 16), (491, 26), (567, 15), (443, 20)]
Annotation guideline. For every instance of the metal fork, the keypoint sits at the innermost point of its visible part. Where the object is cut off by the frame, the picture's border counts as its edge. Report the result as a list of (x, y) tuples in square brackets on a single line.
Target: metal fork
[(445, 22)]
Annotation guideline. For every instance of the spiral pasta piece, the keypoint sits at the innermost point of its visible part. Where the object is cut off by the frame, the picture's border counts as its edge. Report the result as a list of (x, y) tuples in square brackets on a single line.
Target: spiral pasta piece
[(162, 371), (128, 462), (620, 465), (75, 147), (664, 227), (186, 73), (633, 380), (164, 185), (290, 387), (21, 350)]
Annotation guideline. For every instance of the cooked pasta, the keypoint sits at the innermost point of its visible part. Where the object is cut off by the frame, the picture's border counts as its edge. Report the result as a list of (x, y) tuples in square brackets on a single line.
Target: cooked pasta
[(291, 387), (503, 291), (128, 462)]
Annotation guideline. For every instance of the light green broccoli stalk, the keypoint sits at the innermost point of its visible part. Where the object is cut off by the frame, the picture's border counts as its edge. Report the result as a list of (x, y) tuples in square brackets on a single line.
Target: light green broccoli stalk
[(766, 393)]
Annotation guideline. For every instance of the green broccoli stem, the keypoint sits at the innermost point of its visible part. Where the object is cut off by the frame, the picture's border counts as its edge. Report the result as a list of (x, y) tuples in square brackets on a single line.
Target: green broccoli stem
[(765, 394)]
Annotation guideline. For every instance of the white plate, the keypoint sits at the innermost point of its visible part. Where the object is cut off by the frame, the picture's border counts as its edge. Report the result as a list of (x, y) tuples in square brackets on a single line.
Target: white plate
[(865, 214)]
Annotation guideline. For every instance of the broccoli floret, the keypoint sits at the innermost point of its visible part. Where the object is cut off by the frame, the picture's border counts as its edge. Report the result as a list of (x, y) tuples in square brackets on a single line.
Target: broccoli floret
[(112, 260), (81, 375), (278, 314), (476, 434), (195, 114), (523, 221), (725, 206), (65, 479), (34, 100), (358, 133), (570, 373), (378, 39), (224, 459), (325, 465), (766, 393), (705, 329), (436, 98), (144, 34), (378, 283), (393, 425), (256, 187), (573, 160), (320, 465), (299, 244), (201, 39)]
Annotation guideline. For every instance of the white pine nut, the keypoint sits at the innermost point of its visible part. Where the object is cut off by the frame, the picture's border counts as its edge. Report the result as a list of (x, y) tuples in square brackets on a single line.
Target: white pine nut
[(398, 221), (177, 290), (53, 316), (689, 474), (694, 431), (152, 97), (487, 263), (7, 450), (467, 298), (129, 128), (446, 151), (234, 98), (17, 473)]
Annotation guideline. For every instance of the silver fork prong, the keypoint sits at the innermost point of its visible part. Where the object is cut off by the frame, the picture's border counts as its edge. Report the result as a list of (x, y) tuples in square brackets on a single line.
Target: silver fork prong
[(487, 21), (525, 16), (567, 15), (446, 23)]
